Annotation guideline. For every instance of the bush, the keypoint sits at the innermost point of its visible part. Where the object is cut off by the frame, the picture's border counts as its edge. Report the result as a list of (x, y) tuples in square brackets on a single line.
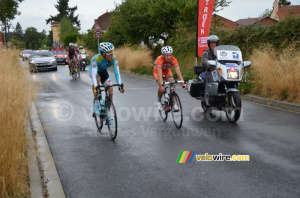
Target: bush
[(71, 38)]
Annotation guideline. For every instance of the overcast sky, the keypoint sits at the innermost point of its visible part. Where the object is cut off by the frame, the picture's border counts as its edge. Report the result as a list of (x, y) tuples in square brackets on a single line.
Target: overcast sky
[(34, 12)]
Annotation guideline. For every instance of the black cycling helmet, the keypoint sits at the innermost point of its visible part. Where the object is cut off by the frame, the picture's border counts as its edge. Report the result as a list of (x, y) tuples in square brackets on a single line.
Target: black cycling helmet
[(214, 38)]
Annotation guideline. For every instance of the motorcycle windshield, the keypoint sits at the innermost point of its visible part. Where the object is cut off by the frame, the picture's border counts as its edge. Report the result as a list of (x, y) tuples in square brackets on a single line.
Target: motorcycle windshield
[(228, 54)]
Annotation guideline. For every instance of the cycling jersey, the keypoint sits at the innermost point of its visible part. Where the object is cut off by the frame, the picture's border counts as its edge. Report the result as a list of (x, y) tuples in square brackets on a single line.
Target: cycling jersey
[(163, 64), (100, 64), (71, 51)]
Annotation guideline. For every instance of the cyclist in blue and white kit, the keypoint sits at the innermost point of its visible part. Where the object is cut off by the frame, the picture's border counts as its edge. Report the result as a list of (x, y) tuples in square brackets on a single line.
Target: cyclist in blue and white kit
[(99, 71)]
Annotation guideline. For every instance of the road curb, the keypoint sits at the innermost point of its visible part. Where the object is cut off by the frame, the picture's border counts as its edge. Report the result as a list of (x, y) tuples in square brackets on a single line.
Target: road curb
[(272, 103), (35, 178), (51, 180)]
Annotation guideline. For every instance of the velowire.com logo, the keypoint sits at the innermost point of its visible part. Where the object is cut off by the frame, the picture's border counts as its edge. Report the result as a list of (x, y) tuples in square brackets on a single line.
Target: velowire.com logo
[(187, 157)]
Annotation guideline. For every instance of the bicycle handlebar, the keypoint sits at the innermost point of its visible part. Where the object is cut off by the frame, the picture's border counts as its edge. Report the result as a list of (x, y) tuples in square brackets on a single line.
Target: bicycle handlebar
[(173, 82), (114, 85)]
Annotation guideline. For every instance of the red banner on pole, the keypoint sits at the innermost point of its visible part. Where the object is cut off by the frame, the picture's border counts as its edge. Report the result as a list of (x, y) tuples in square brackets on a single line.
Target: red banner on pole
[(205, 10)]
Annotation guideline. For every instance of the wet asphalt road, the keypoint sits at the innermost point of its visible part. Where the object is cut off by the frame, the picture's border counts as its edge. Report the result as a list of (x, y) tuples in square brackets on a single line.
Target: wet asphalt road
[(141, 162)]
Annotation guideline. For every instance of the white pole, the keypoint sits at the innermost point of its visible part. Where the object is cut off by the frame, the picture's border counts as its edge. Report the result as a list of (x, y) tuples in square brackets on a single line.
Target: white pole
[(98, 45)]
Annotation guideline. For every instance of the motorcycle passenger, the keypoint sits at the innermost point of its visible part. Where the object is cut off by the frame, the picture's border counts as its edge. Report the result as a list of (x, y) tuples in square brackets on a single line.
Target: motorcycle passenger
[(212, 42)]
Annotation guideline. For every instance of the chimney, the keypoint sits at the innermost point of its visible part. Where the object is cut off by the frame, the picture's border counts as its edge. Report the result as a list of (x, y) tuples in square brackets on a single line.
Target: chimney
[(274, 14)]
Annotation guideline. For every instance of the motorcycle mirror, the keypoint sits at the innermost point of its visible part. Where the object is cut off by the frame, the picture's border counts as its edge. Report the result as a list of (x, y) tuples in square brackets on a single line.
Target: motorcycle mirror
[(247, 63)]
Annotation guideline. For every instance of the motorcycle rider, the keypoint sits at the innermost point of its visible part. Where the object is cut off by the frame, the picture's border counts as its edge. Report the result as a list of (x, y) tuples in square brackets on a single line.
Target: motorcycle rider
[(212, 42)]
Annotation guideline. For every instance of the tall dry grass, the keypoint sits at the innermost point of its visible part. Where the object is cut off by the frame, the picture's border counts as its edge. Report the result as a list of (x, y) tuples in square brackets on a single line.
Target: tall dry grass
[(277, 74), (16, 94), (130, 58)]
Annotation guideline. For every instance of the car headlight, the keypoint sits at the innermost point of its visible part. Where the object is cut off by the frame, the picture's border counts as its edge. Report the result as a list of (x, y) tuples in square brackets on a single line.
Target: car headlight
[(32, 62), (53, 60)]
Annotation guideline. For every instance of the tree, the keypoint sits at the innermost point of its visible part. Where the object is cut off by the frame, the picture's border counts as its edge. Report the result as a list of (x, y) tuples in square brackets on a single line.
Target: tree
[(266, 13), (220, 5), (18, 32), (71, 38), (284, 3), (66, 28), (64, 11), (33, 38), (9, 9)]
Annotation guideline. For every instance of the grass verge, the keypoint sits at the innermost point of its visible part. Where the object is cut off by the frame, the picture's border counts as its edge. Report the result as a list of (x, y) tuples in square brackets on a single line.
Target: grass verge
[(17, 92)]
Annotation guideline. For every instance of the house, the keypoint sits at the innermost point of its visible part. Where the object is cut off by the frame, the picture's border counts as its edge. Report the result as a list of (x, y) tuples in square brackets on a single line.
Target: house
[(102, 21), (281, 12), (259, 20), (220, 22)]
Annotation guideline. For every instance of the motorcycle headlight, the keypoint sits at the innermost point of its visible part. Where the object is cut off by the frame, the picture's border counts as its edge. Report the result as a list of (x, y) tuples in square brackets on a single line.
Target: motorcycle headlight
[(232, 74)]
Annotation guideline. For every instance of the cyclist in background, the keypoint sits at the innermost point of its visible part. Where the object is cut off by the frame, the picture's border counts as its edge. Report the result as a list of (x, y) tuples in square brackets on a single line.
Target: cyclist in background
[(71, 55), (78, 56), (162, 67)]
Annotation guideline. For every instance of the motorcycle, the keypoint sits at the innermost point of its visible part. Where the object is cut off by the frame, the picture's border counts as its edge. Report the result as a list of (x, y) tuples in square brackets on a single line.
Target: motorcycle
[(220, 90), (83, 60)]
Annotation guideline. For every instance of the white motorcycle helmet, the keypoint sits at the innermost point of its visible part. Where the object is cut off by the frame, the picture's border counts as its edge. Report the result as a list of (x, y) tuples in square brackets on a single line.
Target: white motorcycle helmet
[(213, 38)]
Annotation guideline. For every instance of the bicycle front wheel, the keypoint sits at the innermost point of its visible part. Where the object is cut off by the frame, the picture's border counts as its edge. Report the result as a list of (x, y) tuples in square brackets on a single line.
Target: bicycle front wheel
[(164, 113), (176, 110), (98, 120), (111, 120)]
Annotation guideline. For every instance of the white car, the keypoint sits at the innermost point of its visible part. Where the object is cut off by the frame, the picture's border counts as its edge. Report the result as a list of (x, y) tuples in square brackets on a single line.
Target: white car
[(42, 60)]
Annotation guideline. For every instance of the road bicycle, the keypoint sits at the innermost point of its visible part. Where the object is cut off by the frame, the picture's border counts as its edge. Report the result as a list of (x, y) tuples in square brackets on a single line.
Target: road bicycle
[(73, 71), (107, 109), (168, 101)]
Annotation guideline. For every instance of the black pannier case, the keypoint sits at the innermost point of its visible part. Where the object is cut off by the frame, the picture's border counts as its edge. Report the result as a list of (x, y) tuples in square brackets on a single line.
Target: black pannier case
[(196, 88)]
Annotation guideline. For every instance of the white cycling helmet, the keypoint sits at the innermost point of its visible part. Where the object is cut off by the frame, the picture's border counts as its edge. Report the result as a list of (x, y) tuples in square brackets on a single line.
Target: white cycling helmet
[(167, 50), (106, 47), (71, 44), (75, 45), (80, 47)]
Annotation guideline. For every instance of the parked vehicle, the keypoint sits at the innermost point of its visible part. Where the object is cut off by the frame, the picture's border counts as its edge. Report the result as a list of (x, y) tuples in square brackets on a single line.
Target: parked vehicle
[(222, 78), (41, 60)]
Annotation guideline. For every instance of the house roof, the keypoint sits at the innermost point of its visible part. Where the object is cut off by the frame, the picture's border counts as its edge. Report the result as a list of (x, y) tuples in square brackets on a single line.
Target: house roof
[(249, 21), (103, 21), (284, 11)]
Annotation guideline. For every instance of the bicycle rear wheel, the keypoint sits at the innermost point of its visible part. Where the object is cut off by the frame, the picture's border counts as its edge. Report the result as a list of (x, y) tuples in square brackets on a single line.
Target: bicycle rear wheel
[(111, 119), (98, 120), (164, 113), (176, 114)]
